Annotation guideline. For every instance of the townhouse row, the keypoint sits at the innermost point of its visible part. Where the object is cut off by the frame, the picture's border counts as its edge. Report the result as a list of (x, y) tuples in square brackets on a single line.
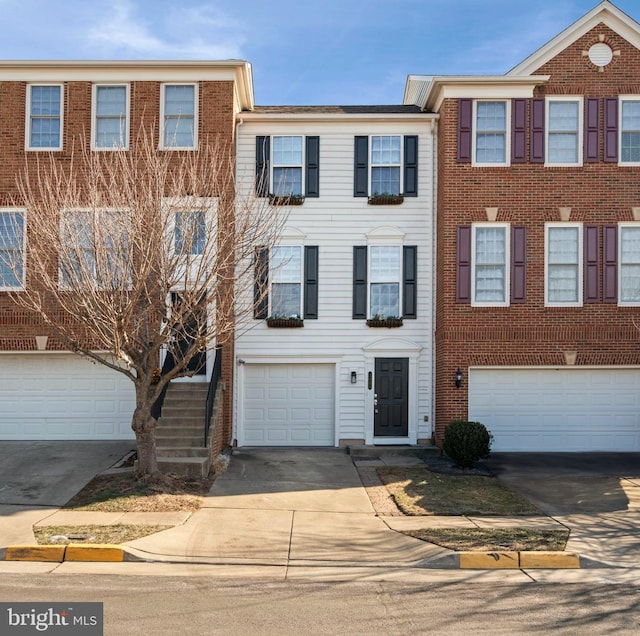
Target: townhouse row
[(473, 253)]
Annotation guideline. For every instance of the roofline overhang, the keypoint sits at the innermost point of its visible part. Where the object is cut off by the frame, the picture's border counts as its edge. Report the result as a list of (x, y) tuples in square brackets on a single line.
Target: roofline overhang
[(319, 117), (438, 88)]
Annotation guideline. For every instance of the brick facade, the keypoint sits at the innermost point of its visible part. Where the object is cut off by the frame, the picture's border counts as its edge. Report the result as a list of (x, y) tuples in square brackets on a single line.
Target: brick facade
[(530, 194)]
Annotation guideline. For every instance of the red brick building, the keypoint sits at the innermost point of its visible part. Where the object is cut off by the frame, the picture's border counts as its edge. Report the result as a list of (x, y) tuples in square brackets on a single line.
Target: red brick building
[(538, 242), (49, 110)]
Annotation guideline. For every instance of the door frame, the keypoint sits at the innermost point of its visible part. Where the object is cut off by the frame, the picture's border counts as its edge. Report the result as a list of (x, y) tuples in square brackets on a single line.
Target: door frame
[(392, 348)]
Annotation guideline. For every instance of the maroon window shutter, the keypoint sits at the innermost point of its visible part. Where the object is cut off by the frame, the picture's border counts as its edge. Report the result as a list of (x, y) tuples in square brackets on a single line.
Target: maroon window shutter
[(611, 129), (610, 267), (519, 131), (463, 269), (592, 264), (592, 130), (518, 264), (537, 131), (465, 116)]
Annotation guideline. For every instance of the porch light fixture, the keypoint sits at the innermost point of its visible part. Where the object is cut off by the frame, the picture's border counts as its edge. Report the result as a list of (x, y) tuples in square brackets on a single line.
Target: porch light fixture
[(458, 378), (354, 377)]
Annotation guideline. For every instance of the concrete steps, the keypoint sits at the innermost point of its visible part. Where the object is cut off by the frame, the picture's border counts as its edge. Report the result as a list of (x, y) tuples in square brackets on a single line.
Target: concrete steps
[(180, 433)]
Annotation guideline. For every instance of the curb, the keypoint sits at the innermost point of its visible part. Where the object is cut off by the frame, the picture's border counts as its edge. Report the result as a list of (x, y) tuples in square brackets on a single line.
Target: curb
[(71, 552), (509, 561)]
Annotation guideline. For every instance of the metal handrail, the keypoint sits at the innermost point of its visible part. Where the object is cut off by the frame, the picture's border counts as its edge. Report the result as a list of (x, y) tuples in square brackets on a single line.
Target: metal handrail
[(211, 393)]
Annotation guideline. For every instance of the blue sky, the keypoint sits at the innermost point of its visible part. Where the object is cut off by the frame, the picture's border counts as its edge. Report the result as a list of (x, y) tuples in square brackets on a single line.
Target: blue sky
[(302, 51)]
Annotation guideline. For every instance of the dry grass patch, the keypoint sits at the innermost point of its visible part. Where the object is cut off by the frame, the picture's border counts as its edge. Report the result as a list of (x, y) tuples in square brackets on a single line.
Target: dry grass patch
[(122, 493), (494, 539), (115, 534), (418, 491)]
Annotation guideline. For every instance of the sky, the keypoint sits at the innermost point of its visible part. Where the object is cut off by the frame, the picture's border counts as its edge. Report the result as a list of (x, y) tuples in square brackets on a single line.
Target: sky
[(302, 51)]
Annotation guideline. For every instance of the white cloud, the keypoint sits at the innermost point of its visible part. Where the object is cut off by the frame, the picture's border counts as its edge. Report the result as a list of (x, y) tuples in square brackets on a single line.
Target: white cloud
[(196, 33)]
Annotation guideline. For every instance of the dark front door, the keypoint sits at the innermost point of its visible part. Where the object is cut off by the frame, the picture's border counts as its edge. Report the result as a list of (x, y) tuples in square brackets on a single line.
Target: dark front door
[(193, 327), (391, 411)]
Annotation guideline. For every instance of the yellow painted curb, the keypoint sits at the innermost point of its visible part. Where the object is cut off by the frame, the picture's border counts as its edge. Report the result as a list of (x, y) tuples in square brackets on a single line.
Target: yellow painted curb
[(51, 553), (549, 560), (94, 552), (489, 560)]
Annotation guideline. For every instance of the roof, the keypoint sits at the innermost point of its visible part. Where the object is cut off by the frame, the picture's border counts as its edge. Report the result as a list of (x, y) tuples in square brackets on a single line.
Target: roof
[(341, 110)]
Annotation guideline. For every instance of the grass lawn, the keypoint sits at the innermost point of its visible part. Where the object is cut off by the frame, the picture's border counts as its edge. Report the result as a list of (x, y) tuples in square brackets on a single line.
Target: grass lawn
[(93, 534)]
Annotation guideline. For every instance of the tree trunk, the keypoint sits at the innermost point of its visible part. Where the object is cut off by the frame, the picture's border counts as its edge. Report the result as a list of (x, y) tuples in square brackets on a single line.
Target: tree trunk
[(144, 426)]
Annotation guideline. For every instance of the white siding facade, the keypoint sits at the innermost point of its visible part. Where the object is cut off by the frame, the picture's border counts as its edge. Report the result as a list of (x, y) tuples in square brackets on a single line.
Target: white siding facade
[(336, 222)]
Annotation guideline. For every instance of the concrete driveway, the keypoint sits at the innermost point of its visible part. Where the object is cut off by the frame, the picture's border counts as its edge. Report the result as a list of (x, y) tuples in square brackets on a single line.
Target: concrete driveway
[(596, 495), (39, 476)]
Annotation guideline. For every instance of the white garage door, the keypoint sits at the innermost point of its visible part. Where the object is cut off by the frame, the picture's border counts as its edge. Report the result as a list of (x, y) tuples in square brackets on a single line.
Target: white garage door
[(62, 396), (558, 409), (288, 405)]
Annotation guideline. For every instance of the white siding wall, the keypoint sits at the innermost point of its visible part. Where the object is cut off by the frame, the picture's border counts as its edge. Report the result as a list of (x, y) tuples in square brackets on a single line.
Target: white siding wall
[(336, 222)]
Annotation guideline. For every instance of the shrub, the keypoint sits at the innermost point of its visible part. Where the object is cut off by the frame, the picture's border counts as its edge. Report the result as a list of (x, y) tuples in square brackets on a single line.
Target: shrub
[(466, 442)]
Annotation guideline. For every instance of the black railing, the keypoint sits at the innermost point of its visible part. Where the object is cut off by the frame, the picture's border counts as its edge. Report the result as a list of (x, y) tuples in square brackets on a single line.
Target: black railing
[(211, 394), (169, 363)]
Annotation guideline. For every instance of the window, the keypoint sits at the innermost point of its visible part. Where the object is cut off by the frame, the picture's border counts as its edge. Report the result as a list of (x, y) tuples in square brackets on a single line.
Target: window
[(490, 139), (490, 255), (178, 114), (190, 232), (93, 250), (564, 132), (563, 264), (385, 275), (286, 281), (629, 265), (110, 116), (287, 166), (386, 159), (44, 117), (12, 250), (630, 131)]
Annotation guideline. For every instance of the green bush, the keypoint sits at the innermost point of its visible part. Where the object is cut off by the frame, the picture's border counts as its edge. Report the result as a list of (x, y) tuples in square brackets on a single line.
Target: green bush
[(466, 442)]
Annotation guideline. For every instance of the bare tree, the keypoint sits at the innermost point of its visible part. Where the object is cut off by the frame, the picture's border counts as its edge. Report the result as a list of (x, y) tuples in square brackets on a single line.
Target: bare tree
[(132, 253)]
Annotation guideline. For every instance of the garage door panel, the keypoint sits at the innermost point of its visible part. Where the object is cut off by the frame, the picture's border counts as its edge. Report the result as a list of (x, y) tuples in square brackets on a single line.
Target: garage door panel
[(558, 410), (288, 404)]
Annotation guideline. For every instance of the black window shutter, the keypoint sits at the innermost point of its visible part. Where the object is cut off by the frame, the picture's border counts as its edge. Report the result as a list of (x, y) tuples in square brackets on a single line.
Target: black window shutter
[(610, 266), (261, 283), (519, 131), (518, 264), (263, 151), (411, 166), (311, 281), (537, 130), (312, 176), (465, 116), (360, 282), (361, 167), (463, 265), (592, 264), (409, 281)]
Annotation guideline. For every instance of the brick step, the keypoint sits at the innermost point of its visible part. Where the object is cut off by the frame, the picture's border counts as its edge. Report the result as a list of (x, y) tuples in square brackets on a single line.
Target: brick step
[(191, 409), (185, 466), (169, 430), (172, 441), (182, 451)]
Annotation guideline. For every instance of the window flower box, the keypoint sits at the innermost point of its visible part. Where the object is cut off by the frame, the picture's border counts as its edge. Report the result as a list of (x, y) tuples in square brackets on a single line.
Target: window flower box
[(390, 322), (286, 199), (385, 199), (284, 322)]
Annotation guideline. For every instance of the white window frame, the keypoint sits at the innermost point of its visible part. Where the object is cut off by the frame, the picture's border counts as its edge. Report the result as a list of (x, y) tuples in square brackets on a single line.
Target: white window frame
[(13, 212), (371, 165), (163, 88), (371, 282), (507, 134), (622, 100), (506, 265), (94, 117), (580, 265), (273, 278), (28, 145), (621, 228), (273, 165), (579, 133)]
